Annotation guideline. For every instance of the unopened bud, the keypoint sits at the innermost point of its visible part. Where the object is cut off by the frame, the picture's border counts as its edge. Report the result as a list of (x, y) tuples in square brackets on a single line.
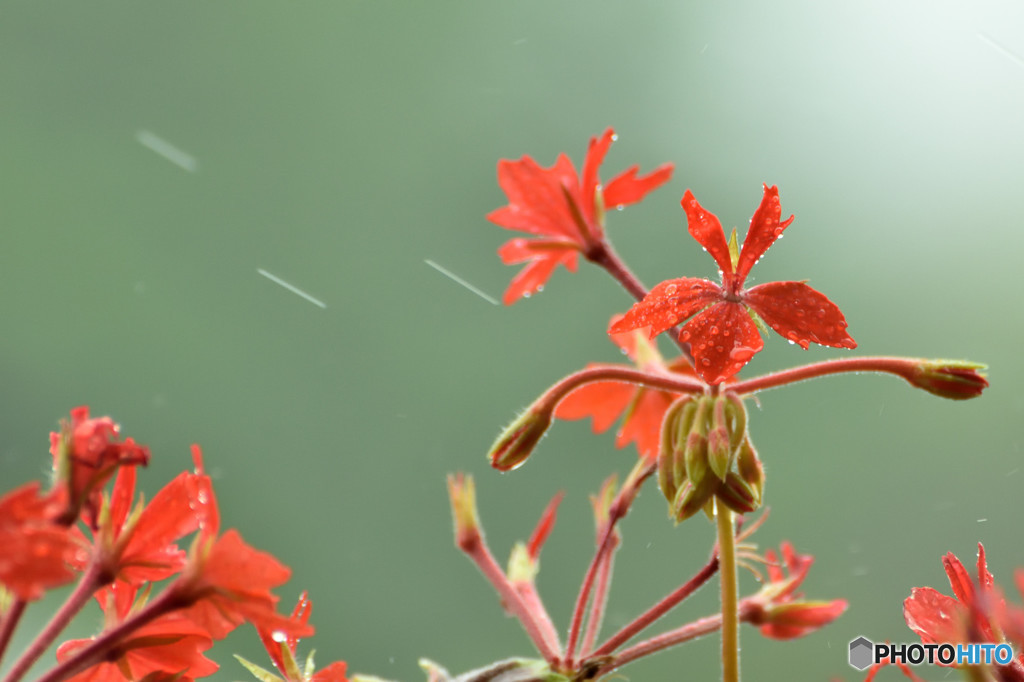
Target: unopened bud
[(749, 467), (671, 467), (696, 455), (953, 379), (720, 451), (462, 493), (738, 495), (691, 498), (519, 438)]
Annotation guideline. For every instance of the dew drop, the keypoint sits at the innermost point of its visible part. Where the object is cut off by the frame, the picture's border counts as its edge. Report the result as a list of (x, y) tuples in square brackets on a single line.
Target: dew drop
[(615, 137), (705, 362), (714, 329), (540, 288), (695, 287), (279, 636), (800, 312), (670, 289), (726, 333), (821, 312), (685, 335), (526, 294), (791, 342), (620, 207), (720, 349)]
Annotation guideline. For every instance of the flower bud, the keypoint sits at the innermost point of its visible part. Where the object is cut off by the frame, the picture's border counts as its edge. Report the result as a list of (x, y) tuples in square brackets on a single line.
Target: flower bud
[(738, 495), (696, 454), (691, 498), (674, 427), (720, 450), (519, 438), (793, 619), (953, 379), (750, 469), (462, 493)]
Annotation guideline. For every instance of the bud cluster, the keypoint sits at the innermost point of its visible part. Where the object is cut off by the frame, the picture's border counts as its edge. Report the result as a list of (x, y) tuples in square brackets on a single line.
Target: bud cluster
[(706, 454)]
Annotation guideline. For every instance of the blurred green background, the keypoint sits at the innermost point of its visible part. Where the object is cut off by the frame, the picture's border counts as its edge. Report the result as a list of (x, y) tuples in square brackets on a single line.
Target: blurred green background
[(339, 145)]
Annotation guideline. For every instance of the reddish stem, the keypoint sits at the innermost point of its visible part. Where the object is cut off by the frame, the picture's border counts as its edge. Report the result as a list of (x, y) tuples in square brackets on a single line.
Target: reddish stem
[(599, 601), (658, 610), (531, 616), (606, 543), (668, 381), (901, 367), (532, 600), (168, 600), (604, 255), (697, 628), (9, 623), (93, 578)]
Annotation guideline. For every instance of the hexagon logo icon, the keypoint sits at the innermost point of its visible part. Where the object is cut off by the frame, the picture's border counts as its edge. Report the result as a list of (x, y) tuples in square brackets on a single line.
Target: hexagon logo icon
[(861, 653)]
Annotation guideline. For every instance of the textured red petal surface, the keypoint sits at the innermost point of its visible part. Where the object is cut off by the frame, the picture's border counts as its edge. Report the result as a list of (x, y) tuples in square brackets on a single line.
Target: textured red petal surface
[(668, 304), (764, 229), (536, 198), (959, 580), (705, 228), (626, 188), (934, 616), (800, 314), (722, 339)]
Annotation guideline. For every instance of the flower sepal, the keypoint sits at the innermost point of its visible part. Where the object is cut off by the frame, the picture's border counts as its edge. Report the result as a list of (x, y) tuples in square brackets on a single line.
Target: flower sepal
[(953, 379)]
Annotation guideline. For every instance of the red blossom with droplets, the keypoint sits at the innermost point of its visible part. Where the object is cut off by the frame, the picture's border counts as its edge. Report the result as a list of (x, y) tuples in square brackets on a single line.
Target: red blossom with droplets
[(976, 613), (282, 649), (564, 211), (722, 335), (37, 552), (171, 644), (641, 409)]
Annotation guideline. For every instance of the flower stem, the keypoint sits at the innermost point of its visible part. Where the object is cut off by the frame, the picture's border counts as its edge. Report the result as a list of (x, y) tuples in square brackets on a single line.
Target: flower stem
[(600, 600), (604, 255), (677, 383), (91, 580), (901, 367), (658, 610), (531, 616), (9, 623), (730, 598)]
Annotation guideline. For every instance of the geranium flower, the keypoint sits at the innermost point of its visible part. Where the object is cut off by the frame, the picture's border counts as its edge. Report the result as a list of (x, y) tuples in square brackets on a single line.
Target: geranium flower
[(86, 453), (170, 644), (564, 211), (641, 409), (722, 336), (779, 610), (281, 649), (37, 552), (976, 613)]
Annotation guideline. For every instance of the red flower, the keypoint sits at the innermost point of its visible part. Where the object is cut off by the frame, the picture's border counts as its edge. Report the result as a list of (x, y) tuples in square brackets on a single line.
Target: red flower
[(170, 644), (722, 336), (976, 613), (641, 409), (564, 210), (37, 552), (86, 454), (281, 649), (139, 543), (783, 614)]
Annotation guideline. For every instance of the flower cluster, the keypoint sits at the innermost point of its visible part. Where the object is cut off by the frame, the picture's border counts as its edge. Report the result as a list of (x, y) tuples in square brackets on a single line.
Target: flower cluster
[(119, 548)]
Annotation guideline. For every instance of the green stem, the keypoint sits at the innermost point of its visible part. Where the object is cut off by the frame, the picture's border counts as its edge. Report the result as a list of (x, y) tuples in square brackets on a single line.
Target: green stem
[(730, 598)]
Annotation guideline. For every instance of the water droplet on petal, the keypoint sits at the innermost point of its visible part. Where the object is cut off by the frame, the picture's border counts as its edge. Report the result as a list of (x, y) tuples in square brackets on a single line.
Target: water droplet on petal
[(705, 362), (615, 137), (719, 349), (670, 289), (821, 312), (714, 329), (279, 636), (686, 335)]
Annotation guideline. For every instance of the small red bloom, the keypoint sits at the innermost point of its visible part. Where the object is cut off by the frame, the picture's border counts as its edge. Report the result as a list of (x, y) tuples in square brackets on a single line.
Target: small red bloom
[(722, 336), (783, 614), (564, 210), (170, 644), (642, 409), (36, 552), (86, 454), (976, 613), (281, 649)]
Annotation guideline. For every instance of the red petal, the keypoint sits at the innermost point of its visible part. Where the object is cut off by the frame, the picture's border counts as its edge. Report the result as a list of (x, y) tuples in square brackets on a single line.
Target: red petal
[(934, 616), (722, 339), (668, 304), (535, 275), (800, 313), (536, 197), (705, 228), (985, 579), (642, 424), (602, 401), (765, 228), (335, 672), (627, 188), (959, 580), (544, 526), (595, 156)]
